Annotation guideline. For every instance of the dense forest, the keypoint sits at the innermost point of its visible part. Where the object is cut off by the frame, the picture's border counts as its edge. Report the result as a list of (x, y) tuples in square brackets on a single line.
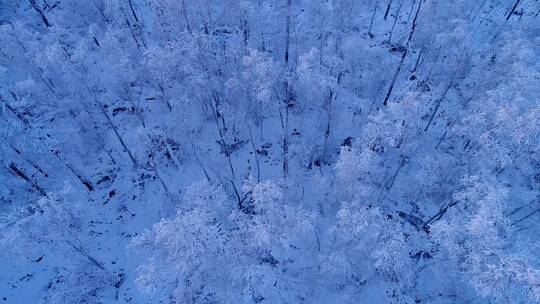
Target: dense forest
[(269, 151)]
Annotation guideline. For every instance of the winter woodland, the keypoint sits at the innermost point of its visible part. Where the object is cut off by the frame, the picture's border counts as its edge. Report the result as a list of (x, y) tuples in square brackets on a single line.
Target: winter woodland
[(269, 151)]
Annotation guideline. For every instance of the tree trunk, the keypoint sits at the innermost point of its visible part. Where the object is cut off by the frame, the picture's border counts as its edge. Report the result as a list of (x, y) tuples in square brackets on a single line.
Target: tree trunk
[(118, 136), (513, 9), (40, 12), (285, 120), (393, 82), (17, 171)]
